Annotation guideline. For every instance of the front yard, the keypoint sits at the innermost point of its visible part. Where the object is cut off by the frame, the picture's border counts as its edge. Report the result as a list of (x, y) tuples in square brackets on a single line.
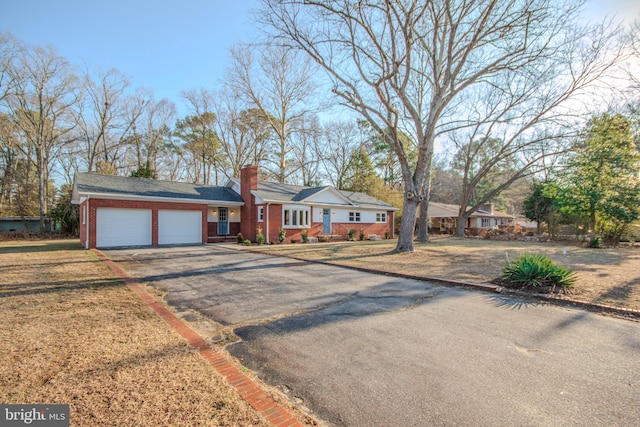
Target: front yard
[(73, 333), (605, 276)]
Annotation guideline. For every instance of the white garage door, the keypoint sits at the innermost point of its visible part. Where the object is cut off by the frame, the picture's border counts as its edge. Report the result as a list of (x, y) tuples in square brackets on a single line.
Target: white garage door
[(179, 227), (123, 227)]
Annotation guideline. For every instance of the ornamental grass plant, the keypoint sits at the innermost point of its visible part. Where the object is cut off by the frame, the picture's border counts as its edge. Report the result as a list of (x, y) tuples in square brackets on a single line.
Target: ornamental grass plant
[(537, 271)]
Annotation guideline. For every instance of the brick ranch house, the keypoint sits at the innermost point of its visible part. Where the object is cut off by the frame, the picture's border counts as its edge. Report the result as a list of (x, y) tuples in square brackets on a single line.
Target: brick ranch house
[(444, 217), (120, 211)]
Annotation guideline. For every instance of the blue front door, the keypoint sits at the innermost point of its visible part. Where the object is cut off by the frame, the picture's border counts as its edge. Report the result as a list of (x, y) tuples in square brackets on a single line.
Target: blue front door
[(326, 221), (223, 221)]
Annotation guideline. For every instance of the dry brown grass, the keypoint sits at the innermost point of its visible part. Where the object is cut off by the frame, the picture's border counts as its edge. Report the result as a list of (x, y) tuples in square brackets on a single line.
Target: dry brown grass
[(73, 333), (605, 276)]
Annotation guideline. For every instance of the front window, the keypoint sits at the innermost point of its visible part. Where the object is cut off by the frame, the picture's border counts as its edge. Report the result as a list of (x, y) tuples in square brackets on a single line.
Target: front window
[(486, 222), (354, 216), (295, 217), (260, 213), (381, 217)]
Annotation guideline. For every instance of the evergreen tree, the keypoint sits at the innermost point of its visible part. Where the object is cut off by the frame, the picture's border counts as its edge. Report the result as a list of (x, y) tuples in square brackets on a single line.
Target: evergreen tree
[(539, 206), (361, 175), (602, 185)]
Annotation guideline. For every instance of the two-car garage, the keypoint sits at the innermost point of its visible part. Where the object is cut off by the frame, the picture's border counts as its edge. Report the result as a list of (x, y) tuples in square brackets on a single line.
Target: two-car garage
[(134, 227), (118, 211)]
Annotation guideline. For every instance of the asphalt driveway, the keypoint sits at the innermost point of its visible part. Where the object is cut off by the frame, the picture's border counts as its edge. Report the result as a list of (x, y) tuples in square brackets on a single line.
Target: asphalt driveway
[(364, 349)]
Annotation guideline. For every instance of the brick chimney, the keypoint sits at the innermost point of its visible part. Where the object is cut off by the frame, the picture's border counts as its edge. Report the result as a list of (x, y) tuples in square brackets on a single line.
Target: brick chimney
[(486, 208), (248, 182)]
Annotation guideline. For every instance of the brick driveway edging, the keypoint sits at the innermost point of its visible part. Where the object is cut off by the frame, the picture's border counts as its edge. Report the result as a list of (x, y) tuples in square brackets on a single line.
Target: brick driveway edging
[(274, 412), (621, 312)]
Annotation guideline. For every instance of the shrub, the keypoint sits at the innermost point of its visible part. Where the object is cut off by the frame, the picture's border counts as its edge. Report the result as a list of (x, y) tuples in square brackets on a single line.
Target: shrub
[(240, 238), (282, 235), (387, 235), (305, 236), (247, 242), (495, 231), (361, 235), (350, 233), (260, 236), (537, 270), (595, 242)]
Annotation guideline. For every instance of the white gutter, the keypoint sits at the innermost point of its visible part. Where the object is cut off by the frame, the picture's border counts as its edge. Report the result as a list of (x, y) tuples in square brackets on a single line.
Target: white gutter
[(87, 216), (267, 219), (116, 196)]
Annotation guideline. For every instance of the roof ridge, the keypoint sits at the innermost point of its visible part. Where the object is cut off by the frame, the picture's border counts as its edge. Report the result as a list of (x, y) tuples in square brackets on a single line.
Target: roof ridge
[(148, 179)]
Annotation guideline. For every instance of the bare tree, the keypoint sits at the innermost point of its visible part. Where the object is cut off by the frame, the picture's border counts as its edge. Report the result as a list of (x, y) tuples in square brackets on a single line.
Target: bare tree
[(41, 109), (279, 84), (445, 182), (197, 130), (402, 64), (11, 50), (634, 38), (305, 152), (150, 133), (244, 132), (101, 117), (340, 141)]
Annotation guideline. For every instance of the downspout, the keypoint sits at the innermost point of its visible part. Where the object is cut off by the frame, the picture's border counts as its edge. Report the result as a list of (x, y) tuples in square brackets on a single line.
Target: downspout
[(87, 217), (267, 219)]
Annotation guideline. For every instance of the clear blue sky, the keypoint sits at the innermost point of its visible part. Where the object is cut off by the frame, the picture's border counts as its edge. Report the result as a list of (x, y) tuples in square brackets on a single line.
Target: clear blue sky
[(167, 46)]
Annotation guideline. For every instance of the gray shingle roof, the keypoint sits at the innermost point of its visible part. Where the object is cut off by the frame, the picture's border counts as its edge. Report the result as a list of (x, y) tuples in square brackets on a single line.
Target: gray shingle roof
[(307, 192), (107, 184), (87, 183), (366, 201), (287, 193)]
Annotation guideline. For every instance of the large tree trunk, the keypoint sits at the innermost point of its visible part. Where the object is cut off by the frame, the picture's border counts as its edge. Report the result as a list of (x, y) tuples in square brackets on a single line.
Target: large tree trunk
[(423, 222), (407, 225), (460, 225), (592, 224), (42, 192)]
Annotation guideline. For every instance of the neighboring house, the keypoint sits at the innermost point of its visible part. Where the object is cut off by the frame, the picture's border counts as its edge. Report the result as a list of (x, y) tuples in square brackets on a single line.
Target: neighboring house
[(525, 225), (119, 211), (444, 217), (28, 223)]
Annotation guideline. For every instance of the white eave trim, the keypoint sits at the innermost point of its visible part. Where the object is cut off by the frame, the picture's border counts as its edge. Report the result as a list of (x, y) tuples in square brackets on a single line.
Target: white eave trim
[(116, 196), (326, 205), (79, 201), (334, 191)]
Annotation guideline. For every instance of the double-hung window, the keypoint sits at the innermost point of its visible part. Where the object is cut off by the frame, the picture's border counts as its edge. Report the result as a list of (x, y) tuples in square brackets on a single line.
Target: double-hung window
[(354, 216), (381, 217), (260, 213)]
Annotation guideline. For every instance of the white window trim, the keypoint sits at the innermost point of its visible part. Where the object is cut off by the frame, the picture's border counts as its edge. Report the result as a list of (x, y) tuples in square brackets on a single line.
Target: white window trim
[(356, 215), (381, 217), (84, 214), (299, 216), (260, 213)]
